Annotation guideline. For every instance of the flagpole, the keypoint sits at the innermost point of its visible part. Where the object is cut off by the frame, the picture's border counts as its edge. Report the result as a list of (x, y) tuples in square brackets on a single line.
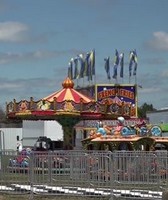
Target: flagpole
[(94, 65), (77, 82), (95, 79), (116, 80), (135, 79), (129, 79), (83, 81), (116, 64)]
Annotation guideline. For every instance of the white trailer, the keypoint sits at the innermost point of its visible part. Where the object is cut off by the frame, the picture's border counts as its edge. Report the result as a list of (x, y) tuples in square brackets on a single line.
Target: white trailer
[(10, 138), (32, 130)]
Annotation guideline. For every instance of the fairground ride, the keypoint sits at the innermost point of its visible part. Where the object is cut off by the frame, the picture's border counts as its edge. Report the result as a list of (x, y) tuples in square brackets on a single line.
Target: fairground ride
[(76, 111)]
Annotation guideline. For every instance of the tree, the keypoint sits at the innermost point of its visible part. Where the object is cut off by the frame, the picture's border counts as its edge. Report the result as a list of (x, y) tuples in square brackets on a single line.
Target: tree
[(144, 108)]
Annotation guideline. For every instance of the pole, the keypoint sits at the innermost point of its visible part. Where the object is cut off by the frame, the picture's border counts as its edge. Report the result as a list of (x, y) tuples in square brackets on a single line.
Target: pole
[(0, 140)]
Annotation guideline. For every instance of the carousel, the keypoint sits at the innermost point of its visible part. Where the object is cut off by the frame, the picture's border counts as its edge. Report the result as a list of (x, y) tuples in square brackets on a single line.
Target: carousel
[(69, 107), (139, 137), (64, 106)]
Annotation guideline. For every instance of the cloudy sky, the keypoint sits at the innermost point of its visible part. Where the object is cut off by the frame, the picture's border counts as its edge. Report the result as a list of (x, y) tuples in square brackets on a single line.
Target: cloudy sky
[(39, 37)]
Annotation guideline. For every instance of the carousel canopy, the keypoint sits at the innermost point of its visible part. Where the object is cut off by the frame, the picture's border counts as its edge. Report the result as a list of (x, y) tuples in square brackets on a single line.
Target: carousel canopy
[(68, 93)]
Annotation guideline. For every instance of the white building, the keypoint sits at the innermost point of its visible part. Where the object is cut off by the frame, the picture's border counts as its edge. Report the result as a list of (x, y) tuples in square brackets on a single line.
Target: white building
[(34, 129), (158, 117), (11, 138)]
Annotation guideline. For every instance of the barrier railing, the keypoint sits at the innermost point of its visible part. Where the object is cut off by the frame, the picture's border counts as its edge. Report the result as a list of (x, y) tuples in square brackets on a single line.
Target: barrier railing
[(85, 173)]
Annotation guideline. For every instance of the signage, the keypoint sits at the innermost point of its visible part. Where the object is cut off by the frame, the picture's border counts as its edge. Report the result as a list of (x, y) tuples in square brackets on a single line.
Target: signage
[(117, 93)]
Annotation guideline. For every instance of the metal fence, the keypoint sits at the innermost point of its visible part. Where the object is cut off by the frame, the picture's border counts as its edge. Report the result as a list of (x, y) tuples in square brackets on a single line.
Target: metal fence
[(99, 174)]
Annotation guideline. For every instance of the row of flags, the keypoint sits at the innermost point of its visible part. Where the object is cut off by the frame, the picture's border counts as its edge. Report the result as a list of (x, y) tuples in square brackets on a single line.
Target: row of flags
[(119, 64), (84, 65)]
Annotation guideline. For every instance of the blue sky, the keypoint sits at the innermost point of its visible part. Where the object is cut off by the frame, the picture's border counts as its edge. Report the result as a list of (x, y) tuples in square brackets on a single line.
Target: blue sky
[(39, 37)]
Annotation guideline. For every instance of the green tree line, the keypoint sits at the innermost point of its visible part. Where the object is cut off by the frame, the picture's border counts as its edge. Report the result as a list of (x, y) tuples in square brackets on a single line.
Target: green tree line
[(142, 110)]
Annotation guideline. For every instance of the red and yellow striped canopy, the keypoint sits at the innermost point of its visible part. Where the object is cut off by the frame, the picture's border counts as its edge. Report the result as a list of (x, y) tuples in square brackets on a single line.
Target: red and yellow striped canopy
[(68, 94)]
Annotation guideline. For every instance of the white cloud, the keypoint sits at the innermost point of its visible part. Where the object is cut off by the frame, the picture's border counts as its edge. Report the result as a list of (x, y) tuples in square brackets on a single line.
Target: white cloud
[(10, 57), (165, 73), (12, 31), (44, 54), (9, 85), (149, 90), (159, 41), (7, 58)]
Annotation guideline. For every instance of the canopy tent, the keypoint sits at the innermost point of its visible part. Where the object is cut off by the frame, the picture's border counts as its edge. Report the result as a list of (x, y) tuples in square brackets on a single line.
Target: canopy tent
[(68, 93)]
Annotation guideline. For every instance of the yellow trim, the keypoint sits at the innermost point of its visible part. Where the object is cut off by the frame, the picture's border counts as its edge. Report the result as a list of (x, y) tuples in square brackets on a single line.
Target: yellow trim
[(66, 113), (23, 113)]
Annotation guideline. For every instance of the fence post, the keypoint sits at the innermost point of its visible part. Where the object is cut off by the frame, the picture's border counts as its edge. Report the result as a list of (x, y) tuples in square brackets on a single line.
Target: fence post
[(50, 167), (112, 176), (31, 175)]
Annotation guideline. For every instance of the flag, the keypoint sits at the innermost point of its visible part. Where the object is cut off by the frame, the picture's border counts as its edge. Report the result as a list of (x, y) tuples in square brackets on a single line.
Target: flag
[(86, 63), (116, 63), (92, 62), (135, 63), (88, 71), (107, 67), (70, 72), (121, 65), (82, 65), (70, 69), (131, 57), (76, 71)]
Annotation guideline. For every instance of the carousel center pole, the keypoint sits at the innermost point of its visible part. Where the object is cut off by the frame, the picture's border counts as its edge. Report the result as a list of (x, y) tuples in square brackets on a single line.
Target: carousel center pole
[(68, 124)]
